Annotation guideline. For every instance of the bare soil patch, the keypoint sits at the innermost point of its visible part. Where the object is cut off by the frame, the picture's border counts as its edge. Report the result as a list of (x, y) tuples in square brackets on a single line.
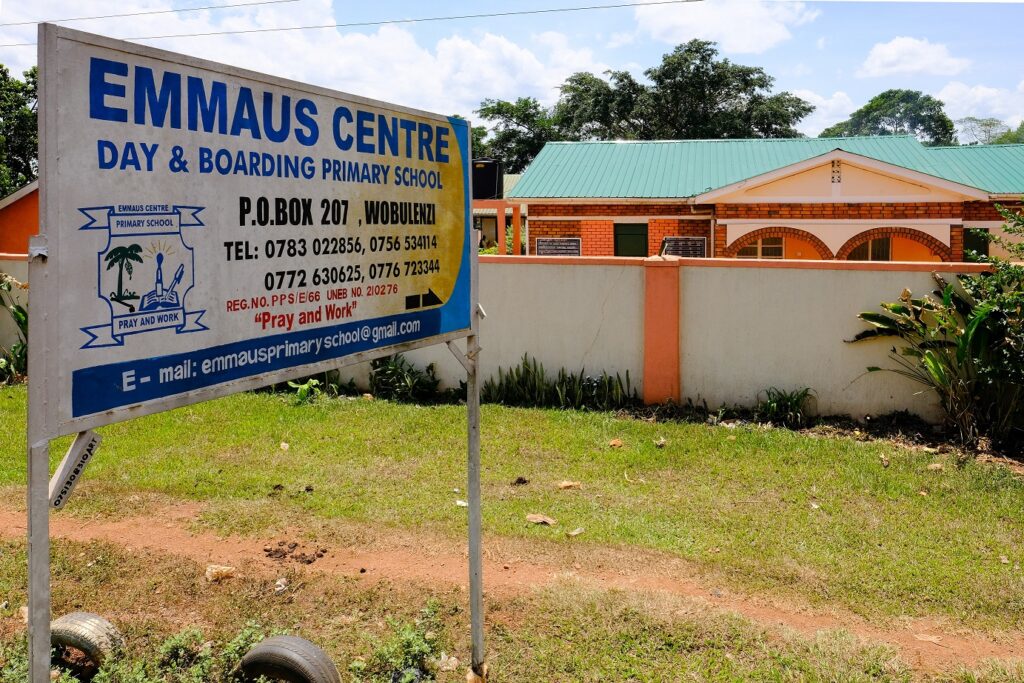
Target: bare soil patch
[(926, 644)]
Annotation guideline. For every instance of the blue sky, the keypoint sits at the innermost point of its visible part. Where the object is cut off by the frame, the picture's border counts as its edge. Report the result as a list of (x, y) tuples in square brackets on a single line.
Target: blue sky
[(835, 54)]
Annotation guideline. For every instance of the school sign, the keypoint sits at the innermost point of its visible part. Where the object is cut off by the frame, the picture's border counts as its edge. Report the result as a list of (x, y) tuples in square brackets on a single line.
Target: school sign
[(208, 229)]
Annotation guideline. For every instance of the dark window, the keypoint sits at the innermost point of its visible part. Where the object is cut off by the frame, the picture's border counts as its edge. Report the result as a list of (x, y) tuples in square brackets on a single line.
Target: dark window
[(974, 240), (873, 250), (630, 239)]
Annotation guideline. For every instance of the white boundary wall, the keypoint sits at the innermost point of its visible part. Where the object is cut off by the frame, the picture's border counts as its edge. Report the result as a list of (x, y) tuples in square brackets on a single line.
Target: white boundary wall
[(747, 329), (577, 317), (742, 329), (19, 270)]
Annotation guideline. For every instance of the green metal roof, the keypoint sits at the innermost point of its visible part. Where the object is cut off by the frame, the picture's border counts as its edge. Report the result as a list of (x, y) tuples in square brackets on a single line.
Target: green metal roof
[(685, 168), (999, 169)]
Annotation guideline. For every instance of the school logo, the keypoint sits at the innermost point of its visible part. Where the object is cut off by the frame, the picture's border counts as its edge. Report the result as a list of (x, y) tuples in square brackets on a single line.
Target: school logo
[(145, 272)]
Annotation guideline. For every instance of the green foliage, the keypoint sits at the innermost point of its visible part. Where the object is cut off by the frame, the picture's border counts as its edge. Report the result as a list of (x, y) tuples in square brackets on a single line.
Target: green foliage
[(899, 112), (787, 408), (395, 378), (1011, 137), (963, 341), (408, 656), (14, 361), (693, 94), (185, 657), (14, 660), (19, 138), (520, 130), (306, 392), (527, 385)]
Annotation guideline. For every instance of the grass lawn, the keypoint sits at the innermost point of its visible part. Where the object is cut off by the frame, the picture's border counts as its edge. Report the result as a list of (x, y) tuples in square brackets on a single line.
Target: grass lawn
[(770, 511)]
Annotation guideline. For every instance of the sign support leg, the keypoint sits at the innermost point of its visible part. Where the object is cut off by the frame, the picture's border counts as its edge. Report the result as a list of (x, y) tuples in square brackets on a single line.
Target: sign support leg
[(476, 579), (39, 562)]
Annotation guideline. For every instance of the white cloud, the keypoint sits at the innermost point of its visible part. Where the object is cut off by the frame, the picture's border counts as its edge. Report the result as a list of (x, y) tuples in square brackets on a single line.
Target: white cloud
[(827, 110), (820, 43), (983, 101), (621, 39), (739, 26), (905, 56), (389, 63)]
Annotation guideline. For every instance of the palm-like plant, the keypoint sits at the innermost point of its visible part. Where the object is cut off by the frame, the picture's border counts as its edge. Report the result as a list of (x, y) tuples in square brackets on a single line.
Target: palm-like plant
[(947, 347), (123, 257)]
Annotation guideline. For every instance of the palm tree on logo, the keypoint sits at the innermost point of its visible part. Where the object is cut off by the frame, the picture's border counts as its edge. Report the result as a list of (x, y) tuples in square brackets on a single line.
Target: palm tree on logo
[(123, 257)]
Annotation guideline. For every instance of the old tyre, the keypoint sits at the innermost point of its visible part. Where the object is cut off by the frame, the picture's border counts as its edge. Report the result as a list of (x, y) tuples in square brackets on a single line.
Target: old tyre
[(290, 659), (91, 634)]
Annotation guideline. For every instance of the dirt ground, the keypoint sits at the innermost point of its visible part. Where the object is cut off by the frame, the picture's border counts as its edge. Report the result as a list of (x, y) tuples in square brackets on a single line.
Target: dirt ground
[(512, 568)]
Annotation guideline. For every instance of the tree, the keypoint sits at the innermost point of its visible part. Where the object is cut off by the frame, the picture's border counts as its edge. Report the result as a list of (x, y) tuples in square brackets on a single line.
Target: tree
[(19, 138), (521, 129), (694, 95), (977, 131), (899, 112), (1011, 137), (592, 108)]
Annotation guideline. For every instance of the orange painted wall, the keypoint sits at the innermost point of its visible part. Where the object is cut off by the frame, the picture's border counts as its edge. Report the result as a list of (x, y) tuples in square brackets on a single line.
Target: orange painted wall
[(18, 222), (796, 248), (904, 249)]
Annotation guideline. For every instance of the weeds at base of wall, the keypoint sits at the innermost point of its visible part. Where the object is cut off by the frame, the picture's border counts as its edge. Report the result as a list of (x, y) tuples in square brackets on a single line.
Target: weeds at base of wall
[(528, 385)]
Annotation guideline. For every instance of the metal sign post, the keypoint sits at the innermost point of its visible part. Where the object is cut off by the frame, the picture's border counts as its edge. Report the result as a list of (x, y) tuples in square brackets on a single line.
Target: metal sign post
[(206, 230)]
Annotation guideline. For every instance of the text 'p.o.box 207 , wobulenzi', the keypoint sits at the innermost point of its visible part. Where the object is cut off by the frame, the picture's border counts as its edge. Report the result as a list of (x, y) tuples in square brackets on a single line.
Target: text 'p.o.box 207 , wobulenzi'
[(209, 229)]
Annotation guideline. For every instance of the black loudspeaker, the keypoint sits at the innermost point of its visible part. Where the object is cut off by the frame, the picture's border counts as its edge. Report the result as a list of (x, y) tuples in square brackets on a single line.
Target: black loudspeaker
[(488, 179)]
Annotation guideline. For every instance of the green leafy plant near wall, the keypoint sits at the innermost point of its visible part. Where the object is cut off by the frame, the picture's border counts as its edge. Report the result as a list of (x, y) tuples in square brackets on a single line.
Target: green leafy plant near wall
[(786, 408), (965, 341), (395, 378), (528, 385), (14, 361)]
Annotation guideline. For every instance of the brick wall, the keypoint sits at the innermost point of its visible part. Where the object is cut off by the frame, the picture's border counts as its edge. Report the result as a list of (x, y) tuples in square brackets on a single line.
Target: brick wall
[(721, 239), (986, 211), (956, 242), (622, 209), (659, 228), (839, 211), (598, 238), (551, 229)]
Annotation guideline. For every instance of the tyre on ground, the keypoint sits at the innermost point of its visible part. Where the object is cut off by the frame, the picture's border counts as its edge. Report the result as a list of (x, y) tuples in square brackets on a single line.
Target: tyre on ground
[(289, 659), (90, 634)]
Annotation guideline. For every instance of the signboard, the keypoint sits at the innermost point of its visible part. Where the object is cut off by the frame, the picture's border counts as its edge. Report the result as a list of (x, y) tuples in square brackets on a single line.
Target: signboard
[(559, 246), (208, 229), (686, 247)]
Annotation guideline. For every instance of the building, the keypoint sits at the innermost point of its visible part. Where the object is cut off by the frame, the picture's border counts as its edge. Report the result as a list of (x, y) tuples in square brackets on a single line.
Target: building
[(485, 213), (19, 220), (860, 198)]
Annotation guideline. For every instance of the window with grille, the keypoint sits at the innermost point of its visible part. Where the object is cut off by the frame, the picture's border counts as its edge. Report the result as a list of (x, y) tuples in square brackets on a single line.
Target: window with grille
[(766, 247)]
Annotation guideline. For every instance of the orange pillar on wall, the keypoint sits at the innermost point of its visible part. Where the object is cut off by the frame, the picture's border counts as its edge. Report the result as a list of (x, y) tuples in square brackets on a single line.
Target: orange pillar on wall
[(661, 330)]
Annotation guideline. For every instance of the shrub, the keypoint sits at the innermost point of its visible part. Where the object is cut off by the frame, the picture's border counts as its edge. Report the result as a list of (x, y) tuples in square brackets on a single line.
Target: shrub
[(395, 378), (965, 341), (408, 656), (786, 408), (528, 385)]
